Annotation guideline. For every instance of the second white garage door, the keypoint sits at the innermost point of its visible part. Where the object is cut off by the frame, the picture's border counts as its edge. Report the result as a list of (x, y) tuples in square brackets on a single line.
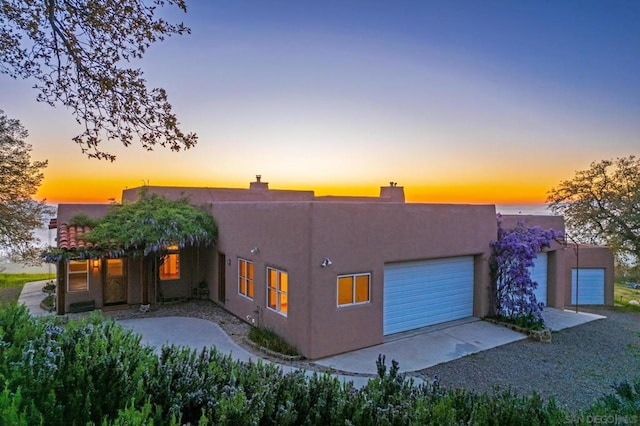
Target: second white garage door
[(539, 275), (427, 292), (588, 285)]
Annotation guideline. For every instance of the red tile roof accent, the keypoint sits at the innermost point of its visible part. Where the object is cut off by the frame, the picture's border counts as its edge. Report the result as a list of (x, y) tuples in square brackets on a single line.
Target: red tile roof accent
[(72, 237)]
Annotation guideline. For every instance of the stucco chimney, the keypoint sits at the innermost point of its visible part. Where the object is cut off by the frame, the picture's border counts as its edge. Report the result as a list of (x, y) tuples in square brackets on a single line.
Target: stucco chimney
[(258, 184), (393, 192)]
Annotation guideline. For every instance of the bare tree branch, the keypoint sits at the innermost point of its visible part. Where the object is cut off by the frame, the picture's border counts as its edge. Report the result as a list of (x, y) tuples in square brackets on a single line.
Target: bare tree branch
[(77, 51)]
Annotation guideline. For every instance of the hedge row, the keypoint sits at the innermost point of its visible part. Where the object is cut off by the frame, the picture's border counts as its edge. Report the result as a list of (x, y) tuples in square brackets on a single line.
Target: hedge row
[(92, 371)]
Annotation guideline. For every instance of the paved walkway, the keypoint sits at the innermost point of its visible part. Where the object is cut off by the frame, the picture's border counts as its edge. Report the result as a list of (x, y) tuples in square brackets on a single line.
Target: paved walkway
[(414, 350), (31, 296)]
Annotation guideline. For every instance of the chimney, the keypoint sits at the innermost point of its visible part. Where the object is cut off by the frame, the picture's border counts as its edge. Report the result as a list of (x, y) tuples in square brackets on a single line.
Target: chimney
[(393, 192), (258, 184)]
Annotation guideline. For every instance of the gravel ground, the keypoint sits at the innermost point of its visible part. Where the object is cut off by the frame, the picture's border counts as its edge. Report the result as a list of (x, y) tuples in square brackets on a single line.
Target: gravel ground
[(578, 366)]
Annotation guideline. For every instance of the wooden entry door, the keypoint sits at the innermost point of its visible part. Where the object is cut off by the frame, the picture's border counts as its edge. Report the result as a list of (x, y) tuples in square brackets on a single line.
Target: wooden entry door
[(222, 272), (115, 282)]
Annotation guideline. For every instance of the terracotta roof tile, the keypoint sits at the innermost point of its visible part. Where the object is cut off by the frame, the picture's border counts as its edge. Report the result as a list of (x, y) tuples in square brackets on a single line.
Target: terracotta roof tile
[(72, 237)]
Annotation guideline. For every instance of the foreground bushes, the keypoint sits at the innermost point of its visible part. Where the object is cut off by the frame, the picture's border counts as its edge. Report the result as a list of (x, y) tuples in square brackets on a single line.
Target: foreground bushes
[(93, 371)]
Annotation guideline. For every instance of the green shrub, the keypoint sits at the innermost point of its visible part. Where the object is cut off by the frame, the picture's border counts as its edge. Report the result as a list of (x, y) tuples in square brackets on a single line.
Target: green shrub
[(48, 303), (624, 401), (12, 410), (526, 321), (91, 371), (76, 372), (270, 340), (102, 365)]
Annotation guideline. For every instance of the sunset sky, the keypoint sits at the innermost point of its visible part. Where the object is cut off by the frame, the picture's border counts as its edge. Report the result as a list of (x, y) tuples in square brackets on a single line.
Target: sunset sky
[(457, 101)]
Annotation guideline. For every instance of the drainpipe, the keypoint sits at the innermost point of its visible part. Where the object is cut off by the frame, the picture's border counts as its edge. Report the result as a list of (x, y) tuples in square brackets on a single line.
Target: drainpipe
[(577, 250), (577, 274), (257, 312), (155, 277)]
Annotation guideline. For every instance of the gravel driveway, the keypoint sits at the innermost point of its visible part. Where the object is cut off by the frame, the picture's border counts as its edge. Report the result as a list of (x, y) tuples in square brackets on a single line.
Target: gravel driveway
[(577, 367)]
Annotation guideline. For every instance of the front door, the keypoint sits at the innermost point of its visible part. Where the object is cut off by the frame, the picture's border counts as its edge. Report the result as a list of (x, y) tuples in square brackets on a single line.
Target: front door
[(222, 262), (115, 283)]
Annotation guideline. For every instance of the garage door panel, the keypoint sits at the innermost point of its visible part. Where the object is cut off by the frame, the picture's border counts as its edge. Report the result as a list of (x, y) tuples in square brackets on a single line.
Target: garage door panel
[(421, 293), (539, 275), (588, 284)]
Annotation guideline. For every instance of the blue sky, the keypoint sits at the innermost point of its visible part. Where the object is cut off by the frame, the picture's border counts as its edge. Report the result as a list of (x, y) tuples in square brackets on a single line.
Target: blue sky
[(459, 101)]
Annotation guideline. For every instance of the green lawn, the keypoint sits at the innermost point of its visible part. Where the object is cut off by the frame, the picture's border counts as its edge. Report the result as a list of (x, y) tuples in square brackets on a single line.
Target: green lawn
[(622, 294), (11, 284)]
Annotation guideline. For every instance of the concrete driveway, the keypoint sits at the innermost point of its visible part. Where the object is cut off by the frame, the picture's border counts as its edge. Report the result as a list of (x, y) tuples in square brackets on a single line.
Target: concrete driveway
[(429, 346), (426, 347)]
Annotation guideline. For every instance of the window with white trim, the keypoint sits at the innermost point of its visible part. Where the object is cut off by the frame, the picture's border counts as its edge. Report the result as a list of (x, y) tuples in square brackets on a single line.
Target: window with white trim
[(245, 278), (170, 264), (77, 275), (354, 289), (277, 290)]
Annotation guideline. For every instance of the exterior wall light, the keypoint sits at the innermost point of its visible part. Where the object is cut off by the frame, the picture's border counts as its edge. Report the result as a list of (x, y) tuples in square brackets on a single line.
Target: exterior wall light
[(255, 250), (326, 262), (95, 263)]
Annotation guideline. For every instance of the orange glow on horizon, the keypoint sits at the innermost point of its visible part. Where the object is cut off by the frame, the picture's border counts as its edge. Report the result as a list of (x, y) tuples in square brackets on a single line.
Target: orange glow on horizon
[(102, 191)]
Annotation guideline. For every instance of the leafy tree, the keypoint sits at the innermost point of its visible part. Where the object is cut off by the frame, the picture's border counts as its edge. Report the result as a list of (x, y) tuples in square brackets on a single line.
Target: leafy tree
[(601, 205), (512, 257), (75, 49), (20, 215), (150, 224)]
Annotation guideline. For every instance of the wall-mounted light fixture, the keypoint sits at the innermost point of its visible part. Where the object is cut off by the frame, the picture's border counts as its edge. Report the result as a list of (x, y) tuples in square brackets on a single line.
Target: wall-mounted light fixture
[(326, 262), (95, 263), (255, 250)]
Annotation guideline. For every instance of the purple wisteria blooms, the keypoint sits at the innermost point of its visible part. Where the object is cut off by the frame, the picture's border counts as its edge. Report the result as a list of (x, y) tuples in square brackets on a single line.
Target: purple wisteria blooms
[(512, 257)]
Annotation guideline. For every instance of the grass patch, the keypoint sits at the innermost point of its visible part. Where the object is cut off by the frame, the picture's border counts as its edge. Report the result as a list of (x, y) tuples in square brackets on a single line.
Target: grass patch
[(270, 340), (11, 285), (622, 294)]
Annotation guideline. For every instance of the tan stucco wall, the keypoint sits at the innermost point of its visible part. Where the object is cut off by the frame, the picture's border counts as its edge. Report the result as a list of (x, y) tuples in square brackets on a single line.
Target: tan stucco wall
[(588, 257), (281, 233), (357, 237), (363, 238)]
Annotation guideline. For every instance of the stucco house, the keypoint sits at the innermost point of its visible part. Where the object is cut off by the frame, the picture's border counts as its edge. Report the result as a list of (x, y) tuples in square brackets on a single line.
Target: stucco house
[(330, 274)]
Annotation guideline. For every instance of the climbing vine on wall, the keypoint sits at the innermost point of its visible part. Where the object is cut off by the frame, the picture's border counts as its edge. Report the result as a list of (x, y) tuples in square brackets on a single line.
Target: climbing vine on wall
[(512, 257), (146, 226)]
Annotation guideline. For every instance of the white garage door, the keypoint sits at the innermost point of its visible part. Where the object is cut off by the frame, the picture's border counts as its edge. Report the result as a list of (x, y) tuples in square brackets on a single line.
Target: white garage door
[(539, 275), (427, 292), (588, 285)]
